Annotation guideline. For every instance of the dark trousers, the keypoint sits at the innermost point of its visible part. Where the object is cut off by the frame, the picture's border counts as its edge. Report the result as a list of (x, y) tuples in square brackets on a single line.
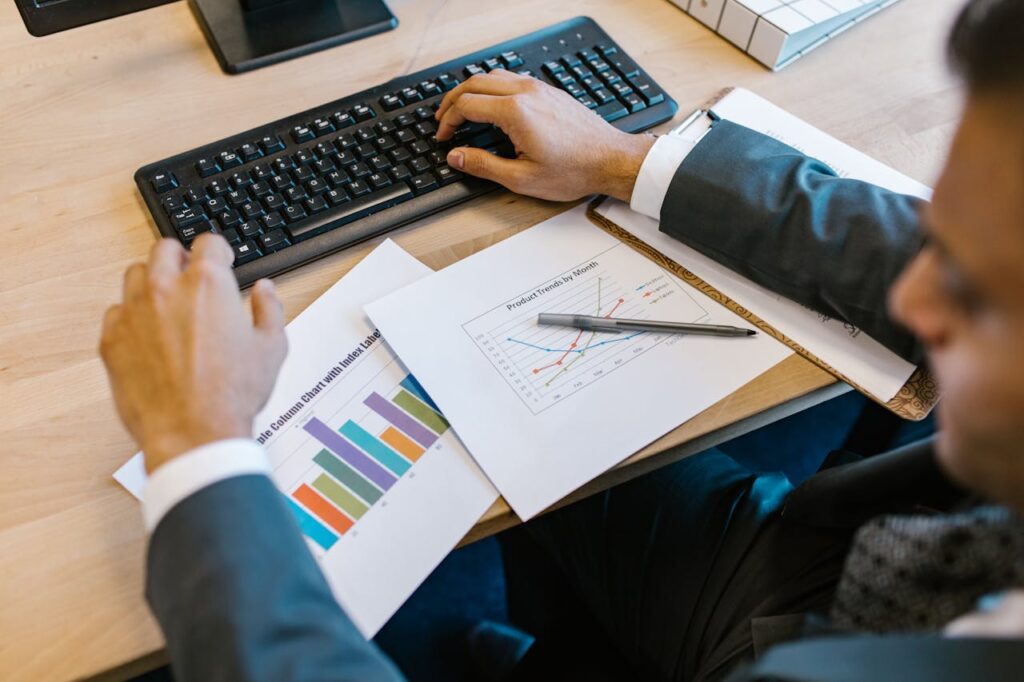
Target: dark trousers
[(682, 574)]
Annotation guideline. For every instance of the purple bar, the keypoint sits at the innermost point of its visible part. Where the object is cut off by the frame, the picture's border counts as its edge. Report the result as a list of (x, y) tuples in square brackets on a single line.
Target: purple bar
[(399, 418), (348, 452)]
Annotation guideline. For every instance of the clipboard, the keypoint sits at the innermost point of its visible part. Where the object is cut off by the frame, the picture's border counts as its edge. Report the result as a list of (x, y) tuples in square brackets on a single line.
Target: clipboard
[(915, 399)]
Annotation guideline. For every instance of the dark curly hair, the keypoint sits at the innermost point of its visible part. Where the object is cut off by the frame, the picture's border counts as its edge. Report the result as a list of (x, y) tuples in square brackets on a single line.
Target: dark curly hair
[(986, 45)]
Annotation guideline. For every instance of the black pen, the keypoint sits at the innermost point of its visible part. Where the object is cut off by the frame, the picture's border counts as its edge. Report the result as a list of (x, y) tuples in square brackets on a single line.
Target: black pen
[(617, 325)]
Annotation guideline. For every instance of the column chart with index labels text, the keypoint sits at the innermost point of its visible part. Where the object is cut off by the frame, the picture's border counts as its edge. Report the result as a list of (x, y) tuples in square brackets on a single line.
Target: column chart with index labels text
[(361, 458)]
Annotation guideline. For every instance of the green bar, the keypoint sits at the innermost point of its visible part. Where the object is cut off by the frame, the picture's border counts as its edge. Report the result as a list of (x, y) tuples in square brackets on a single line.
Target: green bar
[(339, 496), (347, 475), (419, 409)]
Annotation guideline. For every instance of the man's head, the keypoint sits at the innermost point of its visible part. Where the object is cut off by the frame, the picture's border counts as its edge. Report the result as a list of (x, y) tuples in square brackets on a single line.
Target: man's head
[(964, 294)]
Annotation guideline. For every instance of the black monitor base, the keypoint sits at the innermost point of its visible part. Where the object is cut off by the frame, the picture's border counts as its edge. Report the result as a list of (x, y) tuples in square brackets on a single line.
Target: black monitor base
[(246, 40)]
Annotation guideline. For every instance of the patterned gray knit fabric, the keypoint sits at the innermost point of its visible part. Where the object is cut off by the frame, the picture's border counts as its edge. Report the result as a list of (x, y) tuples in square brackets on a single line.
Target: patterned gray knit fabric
[(917, 573)]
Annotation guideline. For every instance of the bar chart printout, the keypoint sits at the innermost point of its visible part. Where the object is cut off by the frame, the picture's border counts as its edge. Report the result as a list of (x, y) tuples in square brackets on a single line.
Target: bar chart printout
[(359, 460)]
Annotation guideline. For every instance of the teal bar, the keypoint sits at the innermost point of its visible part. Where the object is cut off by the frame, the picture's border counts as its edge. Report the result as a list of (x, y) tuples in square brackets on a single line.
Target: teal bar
[(411, 384), (313, 529), (375, 448)]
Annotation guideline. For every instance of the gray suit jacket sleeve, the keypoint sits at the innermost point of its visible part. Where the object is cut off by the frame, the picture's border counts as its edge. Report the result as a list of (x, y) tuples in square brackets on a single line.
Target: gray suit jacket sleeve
[(239, 596), (787, 222)]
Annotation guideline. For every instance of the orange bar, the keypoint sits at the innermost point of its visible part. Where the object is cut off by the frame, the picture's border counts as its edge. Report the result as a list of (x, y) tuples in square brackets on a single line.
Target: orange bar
[(322, 508), (400, 442)]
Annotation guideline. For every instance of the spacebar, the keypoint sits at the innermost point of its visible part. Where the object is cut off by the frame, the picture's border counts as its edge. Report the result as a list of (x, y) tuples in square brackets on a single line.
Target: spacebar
[(350, 212)]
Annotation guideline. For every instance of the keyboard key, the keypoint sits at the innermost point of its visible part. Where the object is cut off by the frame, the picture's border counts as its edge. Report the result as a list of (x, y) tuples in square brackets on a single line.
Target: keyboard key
[(576, 90), (249, 152), (425, 113), (411, 95), (447, 176), (587, 55), (295, 194), (358, 188), (261, 171), (316, 186), (650, 94), (302, 134), (378, 180), (493, 64), (634, 102), (237, 198), (250, 210), (336, 197), (281, 182), (603, 96), (380, 163), (216, 205), (345, 158), (303, 174), (351, 211), (400, 172), (273, 202), (229, 160), (553, 69), (194, 196), (217, 188), (429, 89), (172, 204), (588, 102), (400, 155), (600, 66), (249, 229), (606, 50), (231, 236), (229, 219), (261, 188), (621, 89), (361, 112), (240, 180), (386, 142), (316, 204), (207, 167), (420, 165), (447, 81), (294, 213), (322, 126), (366, 150), (419, 147), (612, 111), (272, 221), (343, 119), (472, 70), (365, 135), (304, 157), (271, 144), (405, 120), (626, 67), (511, 60), (164, 182), (358, 170), (187, 216), (282, 164), (189, 233), (570, 61), (610, 78), (344, 142), (405, 136), (273, 241), (386, 127), (337, 178), (324, 166), (245, 252), (436, 158), (391, 102), (423, 182)]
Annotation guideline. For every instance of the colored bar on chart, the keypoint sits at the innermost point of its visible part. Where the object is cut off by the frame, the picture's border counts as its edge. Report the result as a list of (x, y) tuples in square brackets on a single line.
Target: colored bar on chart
[(402, 443), (334, 492), (352, 455), (403, 421), (349, 476), (416, 388), (323, 509), (421, 411), (376, 449), (311, 528)]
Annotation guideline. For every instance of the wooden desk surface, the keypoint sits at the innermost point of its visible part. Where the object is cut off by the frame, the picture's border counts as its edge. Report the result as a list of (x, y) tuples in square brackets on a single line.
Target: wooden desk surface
[(82, 110)]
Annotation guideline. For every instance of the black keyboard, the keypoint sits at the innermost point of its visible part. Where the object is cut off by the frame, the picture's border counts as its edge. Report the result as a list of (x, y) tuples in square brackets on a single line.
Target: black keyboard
[(310, 184)]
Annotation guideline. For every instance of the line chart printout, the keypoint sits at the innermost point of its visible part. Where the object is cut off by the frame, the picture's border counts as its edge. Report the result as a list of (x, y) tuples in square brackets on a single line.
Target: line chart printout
[(543, 410), (545, 365), (369, 467)]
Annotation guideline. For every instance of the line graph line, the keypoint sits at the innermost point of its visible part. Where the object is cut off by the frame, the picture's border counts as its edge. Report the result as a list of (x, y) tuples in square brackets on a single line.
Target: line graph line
[(576, 350)]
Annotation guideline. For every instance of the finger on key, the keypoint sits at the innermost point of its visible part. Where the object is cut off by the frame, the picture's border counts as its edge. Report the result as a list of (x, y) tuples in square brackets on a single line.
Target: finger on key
[(213, 248), (500, 82), (167, 259), (478, 109)]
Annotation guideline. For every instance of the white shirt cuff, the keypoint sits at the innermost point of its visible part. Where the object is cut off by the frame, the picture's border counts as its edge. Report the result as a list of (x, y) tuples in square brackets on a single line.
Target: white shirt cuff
[(197, 469), (660, 166)]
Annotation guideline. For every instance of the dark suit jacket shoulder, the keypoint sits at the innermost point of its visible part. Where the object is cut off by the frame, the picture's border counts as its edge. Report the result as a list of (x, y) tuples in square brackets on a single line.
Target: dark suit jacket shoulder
[(239, 596), (789, 223)]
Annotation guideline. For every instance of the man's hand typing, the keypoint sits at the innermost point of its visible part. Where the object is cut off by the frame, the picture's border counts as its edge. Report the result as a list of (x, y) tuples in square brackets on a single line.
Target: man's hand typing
[(186, 364), (564, 151)]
